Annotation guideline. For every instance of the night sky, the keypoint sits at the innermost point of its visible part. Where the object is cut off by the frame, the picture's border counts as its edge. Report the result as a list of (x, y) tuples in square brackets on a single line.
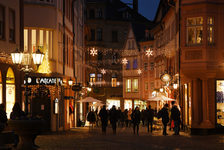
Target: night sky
[(146, 7)]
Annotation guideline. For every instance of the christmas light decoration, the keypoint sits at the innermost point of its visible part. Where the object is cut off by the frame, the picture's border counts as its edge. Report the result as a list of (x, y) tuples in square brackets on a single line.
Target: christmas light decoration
[(139, 71), (103, 71), (45, 66), (149, 52), (124, 61), (93, 52)]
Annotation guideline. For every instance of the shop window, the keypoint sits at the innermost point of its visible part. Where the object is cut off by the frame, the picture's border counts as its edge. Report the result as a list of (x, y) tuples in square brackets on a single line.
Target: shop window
[(41, 38), (92, 78), (111, 103), (128, 85), (12, 25), (99, 34), (141, 104), (194, 30), (135, 64), (114, 36), (127, 104), (10, 91), (220, 103), (2, 22), (135, 85), (210, 30)]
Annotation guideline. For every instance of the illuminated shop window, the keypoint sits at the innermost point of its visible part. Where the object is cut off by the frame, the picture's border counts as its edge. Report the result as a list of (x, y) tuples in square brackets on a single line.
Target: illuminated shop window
[(111, 102), (10, 91), (135, 85), (127, 104), (41, 37), (114, 82), (194, 30), (141, 104), (220, 103), (128, 85), (210, 30)]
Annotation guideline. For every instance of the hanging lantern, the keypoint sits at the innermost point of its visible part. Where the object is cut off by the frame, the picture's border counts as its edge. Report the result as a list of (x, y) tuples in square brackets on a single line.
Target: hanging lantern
[(38, 57), (17, 57), (70, 82), (175, 86)]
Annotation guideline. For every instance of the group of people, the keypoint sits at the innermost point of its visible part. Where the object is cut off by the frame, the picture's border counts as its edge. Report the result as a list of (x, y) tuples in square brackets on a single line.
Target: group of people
[(118, 118)]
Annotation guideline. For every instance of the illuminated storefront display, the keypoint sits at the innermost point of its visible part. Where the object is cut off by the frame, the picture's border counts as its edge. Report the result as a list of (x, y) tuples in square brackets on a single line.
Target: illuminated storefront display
[(110, 103), (220, 102), (141, 104), (10, 91), (127, 104)]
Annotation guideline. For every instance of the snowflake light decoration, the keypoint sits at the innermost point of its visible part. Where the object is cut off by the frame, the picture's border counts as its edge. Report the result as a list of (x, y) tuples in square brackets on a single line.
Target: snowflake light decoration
[(139, 71), (103, 71), (149, 52), (124, 61), (93, 52)]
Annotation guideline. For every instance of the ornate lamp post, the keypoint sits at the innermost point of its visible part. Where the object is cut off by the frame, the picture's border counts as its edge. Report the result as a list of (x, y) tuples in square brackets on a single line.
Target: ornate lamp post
[(23, 58)]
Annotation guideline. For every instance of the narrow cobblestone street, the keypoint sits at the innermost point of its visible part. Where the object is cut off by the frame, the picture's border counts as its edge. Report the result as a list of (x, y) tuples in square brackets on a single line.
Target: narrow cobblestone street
[(85, 139)]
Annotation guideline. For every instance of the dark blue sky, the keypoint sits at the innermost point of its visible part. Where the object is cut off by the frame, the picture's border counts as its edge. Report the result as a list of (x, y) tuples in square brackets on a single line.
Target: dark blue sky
[(146, 7)]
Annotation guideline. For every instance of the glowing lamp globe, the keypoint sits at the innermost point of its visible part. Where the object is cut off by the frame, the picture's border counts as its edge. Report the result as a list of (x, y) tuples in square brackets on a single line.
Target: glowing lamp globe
[(38, 57), (17, 57)]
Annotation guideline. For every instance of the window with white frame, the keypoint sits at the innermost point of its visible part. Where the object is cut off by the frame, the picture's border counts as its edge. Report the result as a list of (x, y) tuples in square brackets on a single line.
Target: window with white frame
[(128, 85), (210, 30), (194, 30)]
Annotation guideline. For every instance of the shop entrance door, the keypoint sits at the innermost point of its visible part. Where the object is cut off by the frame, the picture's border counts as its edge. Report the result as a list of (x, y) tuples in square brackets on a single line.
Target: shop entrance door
[(41, 106)]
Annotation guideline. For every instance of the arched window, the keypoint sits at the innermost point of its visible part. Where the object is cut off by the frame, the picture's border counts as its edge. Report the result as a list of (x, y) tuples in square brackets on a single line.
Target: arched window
[(10, 91)]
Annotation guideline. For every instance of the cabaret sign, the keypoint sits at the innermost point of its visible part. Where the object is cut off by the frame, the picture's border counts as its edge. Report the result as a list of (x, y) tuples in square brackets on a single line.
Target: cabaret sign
[(43, 81)]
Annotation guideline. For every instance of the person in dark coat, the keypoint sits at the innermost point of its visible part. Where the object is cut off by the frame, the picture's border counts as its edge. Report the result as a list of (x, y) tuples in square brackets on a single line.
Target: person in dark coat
[(91, 117), (119, 115), (113, 118), (175, 116), (3, 117), (149, 117), (104, 118), (17, 112), (143, 117), (164, 114), (136, 117)]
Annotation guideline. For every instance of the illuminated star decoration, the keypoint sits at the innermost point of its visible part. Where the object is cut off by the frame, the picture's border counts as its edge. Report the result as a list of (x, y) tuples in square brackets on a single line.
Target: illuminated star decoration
[(103, 71), (149, 52), (93, 52), (139, 71), (124, 61)]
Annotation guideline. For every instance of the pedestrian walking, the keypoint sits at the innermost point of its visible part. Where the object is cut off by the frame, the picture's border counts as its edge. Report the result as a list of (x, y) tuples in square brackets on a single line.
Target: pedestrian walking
[(91, 117), (143, 117), (175, 116), (163, 113), (104, 118), (125, 115), (129, 117), (136, 117), (149, 117), (3, 118), (113, 118), (119, 115)]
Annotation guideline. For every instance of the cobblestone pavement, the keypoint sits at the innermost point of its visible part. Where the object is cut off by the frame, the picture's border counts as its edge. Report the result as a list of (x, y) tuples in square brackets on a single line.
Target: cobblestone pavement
[(92, 139)]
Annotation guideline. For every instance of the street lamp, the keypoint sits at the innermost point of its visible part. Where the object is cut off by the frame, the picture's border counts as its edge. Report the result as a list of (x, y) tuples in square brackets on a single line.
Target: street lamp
[(70, 82), (175, 86), (18, 57)]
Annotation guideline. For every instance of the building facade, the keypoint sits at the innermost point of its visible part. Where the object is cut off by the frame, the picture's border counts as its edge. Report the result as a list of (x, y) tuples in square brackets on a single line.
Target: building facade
[(11, 28)]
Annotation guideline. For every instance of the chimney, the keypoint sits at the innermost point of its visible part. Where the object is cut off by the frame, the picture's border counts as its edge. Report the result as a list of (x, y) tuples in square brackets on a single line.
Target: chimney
[(135, 5)]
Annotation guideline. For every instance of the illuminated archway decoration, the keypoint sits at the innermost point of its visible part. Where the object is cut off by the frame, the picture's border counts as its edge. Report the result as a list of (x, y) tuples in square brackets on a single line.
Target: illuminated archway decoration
[(10, 91)]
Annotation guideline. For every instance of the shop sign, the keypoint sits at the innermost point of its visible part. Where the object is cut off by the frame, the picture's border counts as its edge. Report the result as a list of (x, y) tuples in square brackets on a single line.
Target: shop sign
[(44, 81)]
